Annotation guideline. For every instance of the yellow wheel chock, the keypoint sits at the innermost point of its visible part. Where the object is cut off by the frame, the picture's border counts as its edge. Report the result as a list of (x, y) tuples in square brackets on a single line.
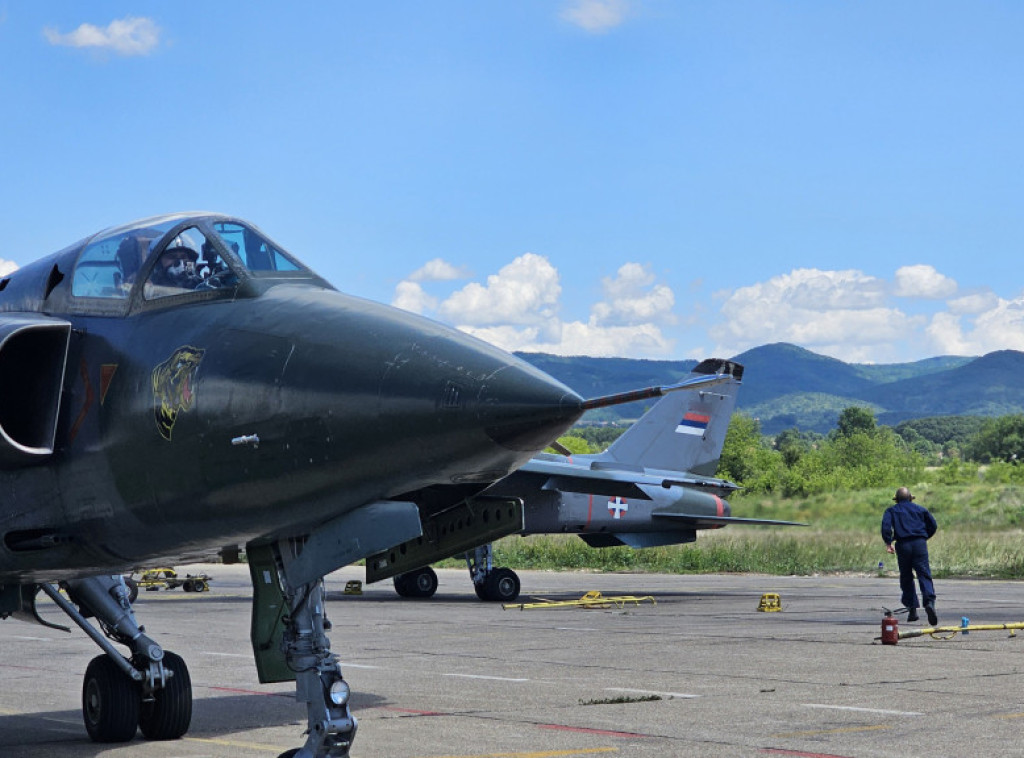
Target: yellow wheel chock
[(770, 601), (354, 587), (592, 599)]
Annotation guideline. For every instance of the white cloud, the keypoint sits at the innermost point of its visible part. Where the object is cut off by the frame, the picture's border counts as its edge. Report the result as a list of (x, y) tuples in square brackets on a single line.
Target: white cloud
[(596, 16), (518, 309), (632, 297), (578, 338), (975, 302), (1000, 327), (923, 281), (131, 35), (7, 267), (438, 270), (834, 312), (524, 292), (410, 296)]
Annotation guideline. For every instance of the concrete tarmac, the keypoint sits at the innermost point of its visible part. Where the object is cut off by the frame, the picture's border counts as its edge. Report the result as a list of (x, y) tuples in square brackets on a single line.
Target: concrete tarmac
[(453, 677)]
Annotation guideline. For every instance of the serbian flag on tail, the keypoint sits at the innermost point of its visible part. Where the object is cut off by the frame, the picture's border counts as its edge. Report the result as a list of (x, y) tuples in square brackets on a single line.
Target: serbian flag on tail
[(693, 423)]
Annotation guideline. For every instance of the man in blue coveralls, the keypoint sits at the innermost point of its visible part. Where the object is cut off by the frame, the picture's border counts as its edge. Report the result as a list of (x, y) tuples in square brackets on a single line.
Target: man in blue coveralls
[(911, 525)]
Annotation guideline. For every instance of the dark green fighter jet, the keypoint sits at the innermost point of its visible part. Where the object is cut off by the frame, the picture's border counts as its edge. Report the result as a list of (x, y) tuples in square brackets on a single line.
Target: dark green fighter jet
[(183, 383)]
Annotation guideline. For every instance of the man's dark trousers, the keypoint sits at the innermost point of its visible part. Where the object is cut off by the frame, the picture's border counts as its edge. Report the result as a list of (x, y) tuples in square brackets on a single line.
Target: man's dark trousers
[(912, 556)]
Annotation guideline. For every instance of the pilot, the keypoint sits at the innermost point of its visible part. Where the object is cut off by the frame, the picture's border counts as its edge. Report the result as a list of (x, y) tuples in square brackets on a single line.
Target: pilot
[(177, 266)]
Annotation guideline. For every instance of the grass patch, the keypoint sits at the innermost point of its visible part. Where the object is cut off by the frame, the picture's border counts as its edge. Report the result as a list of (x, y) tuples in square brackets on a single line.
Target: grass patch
[(981, 527)]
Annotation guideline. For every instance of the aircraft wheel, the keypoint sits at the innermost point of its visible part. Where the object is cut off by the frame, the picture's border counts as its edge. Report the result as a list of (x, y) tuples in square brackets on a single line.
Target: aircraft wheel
[(188, 586), (402, 585), (110, 702), (424, 582), (481, 590), (168, 715), (503, 585)]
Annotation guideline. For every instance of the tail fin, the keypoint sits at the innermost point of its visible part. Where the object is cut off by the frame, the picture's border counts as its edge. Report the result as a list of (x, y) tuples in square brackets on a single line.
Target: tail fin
[(683, 431)]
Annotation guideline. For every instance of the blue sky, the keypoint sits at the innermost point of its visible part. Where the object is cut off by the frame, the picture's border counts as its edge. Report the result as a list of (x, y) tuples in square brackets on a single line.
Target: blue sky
[(641, 178)]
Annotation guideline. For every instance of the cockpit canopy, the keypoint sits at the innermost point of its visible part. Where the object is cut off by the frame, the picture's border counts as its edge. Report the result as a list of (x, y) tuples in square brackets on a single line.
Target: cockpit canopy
[(176, 255)]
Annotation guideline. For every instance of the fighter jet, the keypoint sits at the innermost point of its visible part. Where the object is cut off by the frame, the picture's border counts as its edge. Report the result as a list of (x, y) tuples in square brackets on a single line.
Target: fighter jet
[(184, 383), (653, 486)]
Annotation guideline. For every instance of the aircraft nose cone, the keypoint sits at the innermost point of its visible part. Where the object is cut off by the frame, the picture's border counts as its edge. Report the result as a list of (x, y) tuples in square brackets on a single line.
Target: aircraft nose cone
[(523, 409)]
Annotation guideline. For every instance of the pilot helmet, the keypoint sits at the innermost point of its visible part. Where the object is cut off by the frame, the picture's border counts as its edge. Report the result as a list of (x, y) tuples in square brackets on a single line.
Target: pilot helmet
[(178, 260)]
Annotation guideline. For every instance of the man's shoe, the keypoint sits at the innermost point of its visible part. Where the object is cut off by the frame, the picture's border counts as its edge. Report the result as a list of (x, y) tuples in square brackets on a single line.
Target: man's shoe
[(912, 615), (929, 608)]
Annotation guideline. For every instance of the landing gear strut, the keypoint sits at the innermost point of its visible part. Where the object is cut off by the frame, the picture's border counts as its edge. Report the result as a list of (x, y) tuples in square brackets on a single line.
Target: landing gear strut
[(307, 653), (494, 584), (151, 691)]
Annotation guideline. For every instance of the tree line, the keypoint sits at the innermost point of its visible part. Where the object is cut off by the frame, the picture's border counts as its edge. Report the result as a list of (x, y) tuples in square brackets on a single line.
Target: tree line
[(858, 453)]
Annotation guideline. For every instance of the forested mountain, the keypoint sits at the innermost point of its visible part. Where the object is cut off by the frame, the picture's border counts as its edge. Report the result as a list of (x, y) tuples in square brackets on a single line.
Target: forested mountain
[(786, 386)]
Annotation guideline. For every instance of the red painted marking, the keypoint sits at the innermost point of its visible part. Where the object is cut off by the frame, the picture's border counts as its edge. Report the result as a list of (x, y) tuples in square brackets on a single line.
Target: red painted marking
[(691, 416), (90, 396), (604, 732), (779, 751), (590, 509), (720, 504), (107, 371)]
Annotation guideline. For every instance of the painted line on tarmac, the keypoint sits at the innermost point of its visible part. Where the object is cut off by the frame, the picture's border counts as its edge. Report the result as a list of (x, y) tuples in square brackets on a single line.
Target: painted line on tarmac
[(234, 743), (540, 754), (800, 753), (586, 730), (228, 655), (488, 678), (837, 730), (682, 695), (238, 690), (855, 709)]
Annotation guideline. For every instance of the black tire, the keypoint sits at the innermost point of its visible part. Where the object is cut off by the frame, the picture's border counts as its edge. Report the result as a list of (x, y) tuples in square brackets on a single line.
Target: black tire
[(402, 585), (424, 582), (481, 590), (503, 585), (289, 753), (201, 586), (168, 715), (188, 586), (419, 583), (110, 702)]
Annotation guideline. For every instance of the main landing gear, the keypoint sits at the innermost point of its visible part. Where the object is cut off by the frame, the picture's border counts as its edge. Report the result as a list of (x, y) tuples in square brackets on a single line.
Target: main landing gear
[(492, 584), (151, 691), (496, 584)]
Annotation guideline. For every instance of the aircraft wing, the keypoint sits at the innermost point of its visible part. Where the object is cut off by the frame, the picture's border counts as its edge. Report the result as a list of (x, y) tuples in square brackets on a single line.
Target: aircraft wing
[(695, 519)]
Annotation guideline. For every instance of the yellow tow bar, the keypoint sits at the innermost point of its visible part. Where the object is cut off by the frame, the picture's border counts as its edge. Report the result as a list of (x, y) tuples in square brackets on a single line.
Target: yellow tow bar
[(951, 631), (592, 599)]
